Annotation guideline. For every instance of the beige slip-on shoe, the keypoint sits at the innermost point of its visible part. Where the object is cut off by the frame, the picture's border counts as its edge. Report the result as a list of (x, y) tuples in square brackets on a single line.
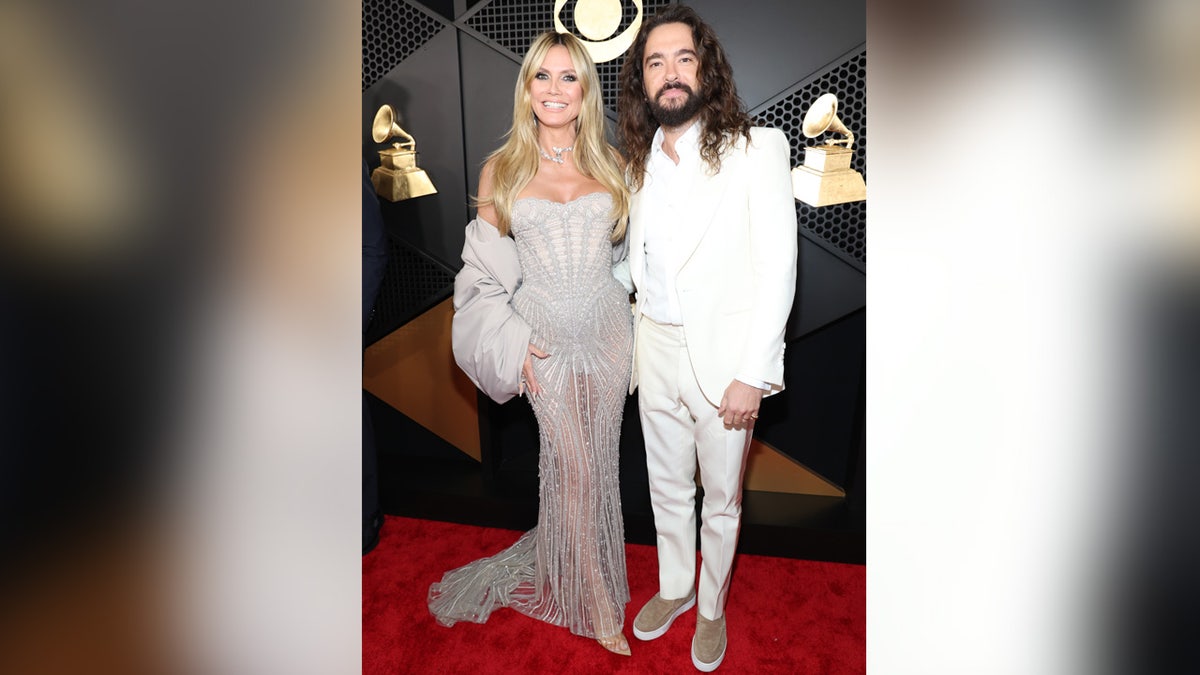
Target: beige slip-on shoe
[(656, 616), (708, 646)]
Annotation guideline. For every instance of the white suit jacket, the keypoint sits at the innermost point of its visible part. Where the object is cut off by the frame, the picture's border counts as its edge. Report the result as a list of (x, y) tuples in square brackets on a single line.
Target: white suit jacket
[(737, 284)]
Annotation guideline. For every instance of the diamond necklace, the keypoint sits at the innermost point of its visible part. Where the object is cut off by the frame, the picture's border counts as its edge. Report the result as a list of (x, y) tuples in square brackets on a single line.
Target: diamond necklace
[(558, 153)]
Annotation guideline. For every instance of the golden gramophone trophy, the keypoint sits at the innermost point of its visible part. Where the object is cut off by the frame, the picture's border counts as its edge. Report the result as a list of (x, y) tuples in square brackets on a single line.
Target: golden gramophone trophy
[(398, 176), (826, 177)]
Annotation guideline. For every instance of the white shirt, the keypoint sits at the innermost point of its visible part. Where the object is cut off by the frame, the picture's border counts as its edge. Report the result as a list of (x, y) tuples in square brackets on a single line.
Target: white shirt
[(664, 192)]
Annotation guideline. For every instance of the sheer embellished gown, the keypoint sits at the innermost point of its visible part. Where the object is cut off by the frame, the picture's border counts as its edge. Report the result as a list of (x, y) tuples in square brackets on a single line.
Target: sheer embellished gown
[(570, 569)]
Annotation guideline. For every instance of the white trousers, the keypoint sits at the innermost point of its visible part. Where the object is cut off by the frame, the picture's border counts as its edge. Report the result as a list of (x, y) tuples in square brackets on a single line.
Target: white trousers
[(680, 428)]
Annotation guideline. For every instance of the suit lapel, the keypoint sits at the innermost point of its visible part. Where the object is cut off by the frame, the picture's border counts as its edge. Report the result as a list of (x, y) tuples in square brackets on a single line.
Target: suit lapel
[(705, 195)]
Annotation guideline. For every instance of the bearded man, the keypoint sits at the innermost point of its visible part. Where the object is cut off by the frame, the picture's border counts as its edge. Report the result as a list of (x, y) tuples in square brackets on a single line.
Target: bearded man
[(712, 260)]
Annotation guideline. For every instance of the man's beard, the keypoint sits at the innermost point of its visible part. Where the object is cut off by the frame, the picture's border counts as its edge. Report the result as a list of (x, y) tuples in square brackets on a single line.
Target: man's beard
[(676, 116)]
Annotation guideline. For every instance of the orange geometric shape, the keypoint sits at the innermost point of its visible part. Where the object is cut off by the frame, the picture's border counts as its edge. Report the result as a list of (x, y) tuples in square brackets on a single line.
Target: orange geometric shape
[(412, 369), (769, 470)]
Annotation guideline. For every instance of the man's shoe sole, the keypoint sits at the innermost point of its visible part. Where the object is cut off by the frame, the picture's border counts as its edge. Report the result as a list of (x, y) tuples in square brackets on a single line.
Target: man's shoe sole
[(658, 632)]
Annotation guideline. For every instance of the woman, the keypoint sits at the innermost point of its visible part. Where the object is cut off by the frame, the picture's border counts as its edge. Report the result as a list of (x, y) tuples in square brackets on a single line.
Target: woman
[(538, 311)]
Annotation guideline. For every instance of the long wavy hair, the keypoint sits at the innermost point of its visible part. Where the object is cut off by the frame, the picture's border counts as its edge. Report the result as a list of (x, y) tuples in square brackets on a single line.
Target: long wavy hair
[(516, 161), (722, 116)]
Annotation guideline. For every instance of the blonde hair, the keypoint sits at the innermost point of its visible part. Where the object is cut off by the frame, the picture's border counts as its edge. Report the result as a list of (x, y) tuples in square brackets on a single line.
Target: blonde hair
[(515, 162)]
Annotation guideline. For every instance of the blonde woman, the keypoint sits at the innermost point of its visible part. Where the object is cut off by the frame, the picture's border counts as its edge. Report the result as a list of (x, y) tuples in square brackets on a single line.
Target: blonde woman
[(539, 312)]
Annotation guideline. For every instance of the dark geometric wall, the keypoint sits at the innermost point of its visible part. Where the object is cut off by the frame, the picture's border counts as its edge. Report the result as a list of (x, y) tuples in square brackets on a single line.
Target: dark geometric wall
[(449, 71)]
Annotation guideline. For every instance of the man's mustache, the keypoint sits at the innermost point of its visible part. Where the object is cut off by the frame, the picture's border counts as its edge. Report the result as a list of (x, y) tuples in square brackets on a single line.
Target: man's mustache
[(673, 85)]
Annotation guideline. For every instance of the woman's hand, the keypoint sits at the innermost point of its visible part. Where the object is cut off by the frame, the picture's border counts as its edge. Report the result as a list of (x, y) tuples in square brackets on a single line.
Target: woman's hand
[(528, 381)]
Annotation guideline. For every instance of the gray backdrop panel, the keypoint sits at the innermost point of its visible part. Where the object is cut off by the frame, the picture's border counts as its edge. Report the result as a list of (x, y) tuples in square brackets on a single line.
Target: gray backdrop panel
[(772, 45), (488, 78)]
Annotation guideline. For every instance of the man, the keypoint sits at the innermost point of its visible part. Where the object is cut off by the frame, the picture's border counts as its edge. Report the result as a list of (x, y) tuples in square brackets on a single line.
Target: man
[(374, 257), (712, 259)]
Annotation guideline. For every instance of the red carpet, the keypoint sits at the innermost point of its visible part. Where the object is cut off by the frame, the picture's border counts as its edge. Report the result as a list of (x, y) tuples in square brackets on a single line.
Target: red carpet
[(785, 616)]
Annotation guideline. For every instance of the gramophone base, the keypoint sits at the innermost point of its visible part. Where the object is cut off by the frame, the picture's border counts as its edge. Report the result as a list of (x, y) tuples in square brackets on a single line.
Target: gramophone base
[(828, 158), (825, 188), (397, 185)]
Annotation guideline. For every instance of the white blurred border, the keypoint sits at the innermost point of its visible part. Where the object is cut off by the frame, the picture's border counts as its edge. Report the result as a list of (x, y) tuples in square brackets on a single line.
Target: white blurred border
[(1013, 201)]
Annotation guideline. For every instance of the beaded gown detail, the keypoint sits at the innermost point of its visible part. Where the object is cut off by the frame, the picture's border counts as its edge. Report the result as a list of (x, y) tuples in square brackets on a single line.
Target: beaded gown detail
[(570, 569)]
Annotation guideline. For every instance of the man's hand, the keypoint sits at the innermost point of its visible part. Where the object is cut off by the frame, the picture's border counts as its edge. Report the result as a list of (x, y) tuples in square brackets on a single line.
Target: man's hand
[(739, 405)]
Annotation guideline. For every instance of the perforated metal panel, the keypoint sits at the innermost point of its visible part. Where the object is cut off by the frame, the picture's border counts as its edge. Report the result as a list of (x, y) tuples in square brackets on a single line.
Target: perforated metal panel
[(513, 24), (842, 225), (411, 282), (392, 29)]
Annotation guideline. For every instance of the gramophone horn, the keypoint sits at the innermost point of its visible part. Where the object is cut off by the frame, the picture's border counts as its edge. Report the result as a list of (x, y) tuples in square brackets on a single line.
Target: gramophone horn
[(384, 127), (822, 117), (381, 128)]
